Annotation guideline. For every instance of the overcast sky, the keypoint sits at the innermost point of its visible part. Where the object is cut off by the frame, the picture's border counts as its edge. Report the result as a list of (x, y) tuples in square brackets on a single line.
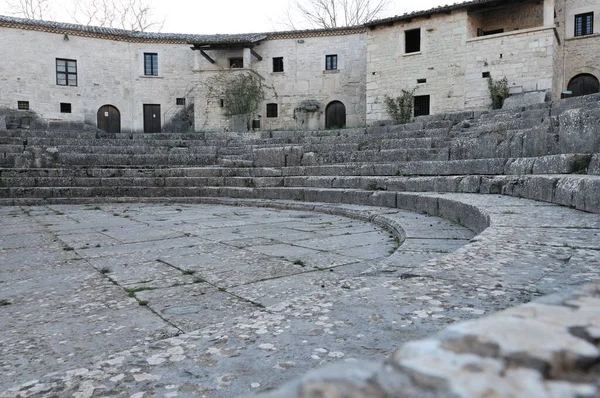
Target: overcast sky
[(227, 16)]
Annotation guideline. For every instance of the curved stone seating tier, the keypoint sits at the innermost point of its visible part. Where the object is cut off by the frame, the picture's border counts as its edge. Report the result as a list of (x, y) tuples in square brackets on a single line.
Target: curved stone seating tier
[(524, 249), (563, 127), (581, 192)]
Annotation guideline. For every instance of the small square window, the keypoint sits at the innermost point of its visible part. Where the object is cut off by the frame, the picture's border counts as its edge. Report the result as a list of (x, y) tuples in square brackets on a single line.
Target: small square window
[(65, 107), (66, 72), (331, 62), (271, 110), (485, 75), (236, 63), (421, 81), (23, 105), (180, 101), (150, 64), (584, 24), (421, 105), (412, 40), (278, 64)]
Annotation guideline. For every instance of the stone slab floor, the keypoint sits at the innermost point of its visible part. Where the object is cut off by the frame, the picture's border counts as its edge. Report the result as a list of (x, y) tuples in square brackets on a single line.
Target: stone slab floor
[(145, 300)]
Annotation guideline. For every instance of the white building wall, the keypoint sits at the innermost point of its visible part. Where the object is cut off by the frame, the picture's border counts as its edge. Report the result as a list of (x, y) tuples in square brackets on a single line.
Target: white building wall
[(581, 54), (524, 57), (441, 62), (304, 78), (452, 58), (108, 72)]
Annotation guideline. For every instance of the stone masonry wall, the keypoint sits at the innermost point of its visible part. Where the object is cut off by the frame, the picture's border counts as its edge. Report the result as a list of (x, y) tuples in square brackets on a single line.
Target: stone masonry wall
[(453, 58), (108, 72), (304, 78), (581, 54), (524, 57), (440, 61)]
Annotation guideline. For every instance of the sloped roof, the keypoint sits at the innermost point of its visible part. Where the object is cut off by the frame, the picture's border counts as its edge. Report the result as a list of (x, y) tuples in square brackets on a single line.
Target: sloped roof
[(439, 10), (127, 35)]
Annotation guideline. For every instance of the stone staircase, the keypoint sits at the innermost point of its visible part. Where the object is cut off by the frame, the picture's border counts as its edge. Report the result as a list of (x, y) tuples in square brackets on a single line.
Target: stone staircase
[(548, 152)]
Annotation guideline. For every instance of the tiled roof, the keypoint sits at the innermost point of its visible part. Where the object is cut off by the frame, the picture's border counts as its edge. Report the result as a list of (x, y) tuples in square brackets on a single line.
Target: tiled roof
[(133, 36), (436, 10), (127, 35)]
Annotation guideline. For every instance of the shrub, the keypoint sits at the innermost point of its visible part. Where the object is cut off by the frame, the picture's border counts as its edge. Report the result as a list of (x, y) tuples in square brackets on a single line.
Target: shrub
[(498, 91), (401, 108)]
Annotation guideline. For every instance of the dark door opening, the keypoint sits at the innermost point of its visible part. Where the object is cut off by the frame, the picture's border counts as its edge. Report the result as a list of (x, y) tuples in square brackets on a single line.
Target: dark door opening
[(152, 118), (584, 84), (335, 115), (422, 105), (109, 119)]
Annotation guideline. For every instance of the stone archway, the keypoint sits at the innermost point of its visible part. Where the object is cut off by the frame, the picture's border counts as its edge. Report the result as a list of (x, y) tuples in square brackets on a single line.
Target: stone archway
[(584, 84)]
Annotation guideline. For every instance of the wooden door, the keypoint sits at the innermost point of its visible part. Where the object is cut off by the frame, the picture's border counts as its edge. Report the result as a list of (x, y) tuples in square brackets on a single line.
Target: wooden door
[(335, 115), (584, 84), (109, 119), (152, 118)]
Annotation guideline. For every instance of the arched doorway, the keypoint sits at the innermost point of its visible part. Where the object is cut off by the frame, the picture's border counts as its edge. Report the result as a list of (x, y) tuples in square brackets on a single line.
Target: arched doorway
[(109, 119), (584, 84), (335, 115)]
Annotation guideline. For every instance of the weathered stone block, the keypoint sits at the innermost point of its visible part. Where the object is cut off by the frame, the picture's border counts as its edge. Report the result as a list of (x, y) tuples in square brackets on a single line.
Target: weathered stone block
[(579, 131)]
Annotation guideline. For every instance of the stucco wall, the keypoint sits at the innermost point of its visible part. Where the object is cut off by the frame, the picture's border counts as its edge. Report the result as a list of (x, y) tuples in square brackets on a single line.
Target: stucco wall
[(108, 72)]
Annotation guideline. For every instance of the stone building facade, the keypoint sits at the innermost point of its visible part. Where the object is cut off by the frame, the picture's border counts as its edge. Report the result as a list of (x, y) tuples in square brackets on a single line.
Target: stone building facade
[(132, 81)]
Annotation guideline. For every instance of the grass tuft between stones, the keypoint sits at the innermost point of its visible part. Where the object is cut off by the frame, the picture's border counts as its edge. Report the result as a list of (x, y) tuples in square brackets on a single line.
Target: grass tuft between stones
[(299, 262)]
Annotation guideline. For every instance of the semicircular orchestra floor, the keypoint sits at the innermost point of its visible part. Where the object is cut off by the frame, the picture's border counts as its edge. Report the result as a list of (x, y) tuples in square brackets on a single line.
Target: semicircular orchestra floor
[(211, 300)]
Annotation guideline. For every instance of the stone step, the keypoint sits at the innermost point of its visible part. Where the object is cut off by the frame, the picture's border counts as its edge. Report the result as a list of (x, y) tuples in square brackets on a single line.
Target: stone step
[(554, 164), (11, 148), (383, 156), (579, 192), (116, 150), (74, 159)]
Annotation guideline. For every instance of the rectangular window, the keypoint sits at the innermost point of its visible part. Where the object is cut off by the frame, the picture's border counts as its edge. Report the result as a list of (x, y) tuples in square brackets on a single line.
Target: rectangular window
[(331, 62), (278, 64), (66, 72), (421, 105), (584, 24), (236, 63), (65, 107), (412, 41), (271, 110), (180, 101), (23, 105), (151, 64)]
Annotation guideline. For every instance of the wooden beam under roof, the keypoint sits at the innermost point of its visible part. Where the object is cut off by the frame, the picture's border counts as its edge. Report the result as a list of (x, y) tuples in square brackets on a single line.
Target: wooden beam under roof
[(257, 55), (208, 57)]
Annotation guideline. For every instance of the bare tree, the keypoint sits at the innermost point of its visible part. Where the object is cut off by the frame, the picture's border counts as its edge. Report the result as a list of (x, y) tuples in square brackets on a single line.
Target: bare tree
[(123, 14), (30, 9), (334, 13)]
